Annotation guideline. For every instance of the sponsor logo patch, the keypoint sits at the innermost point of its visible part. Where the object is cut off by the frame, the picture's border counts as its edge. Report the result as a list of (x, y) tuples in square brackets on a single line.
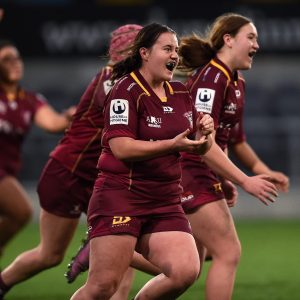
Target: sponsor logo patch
[(154, 122), (168, 109), (120, 221), (119, 112), (204, 100), (188, 196)]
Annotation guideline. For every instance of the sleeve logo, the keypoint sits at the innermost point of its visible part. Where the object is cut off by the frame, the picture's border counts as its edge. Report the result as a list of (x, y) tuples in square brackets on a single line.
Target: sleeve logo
[(119, 112), (204, 100)]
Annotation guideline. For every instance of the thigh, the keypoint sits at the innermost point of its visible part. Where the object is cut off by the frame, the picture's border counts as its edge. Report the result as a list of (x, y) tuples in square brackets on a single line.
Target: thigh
[(110, 257), (56, 232), (170, 250), (213, 226), (13, 198)]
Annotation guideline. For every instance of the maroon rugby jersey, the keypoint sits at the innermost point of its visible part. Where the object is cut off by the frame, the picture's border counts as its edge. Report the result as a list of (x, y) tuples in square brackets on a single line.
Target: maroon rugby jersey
[(80, 147), (134, 110), (220, 93), (237, 134), (16, 118)]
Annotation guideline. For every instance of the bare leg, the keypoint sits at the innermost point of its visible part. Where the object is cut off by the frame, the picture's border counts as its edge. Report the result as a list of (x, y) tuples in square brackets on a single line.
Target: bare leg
[(175, 253), (142, 264), (213, 228), (56, 234), (110, 257), (80, 263), (15, 209), (125, 285)]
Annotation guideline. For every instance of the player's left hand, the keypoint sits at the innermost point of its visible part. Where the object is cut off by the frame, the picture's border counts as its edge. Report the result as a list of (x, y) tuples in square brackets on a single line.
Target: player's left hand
[(230, 192)]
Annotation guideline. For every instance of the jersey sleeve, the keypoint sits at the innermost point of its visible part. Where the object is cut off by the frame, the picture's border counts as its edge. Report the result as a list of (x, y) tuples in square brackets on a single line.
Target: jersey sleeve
[(209, 95), (120, 115), (39, 101)]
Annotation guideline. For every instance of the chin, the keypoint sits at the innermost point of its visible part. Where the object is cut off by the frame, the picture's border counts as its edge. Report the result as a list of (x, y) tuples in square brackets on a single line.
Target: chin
[(169, 77)]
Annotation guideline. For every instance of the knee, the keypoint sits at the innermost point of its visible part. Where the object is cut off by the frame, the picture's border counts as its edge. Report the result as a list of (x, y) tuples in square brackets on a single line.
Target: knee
[(231, 255), (103, 288), (50, 259), (236, 251), (24, 217), (185, 276)]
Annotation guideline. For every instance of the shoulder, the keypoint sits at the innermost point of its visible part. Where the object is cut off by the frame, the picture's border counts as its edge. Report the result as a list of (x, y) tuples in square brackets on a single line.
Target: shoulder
[(178, 87), (216, 74), (126, 85), (32, 96)]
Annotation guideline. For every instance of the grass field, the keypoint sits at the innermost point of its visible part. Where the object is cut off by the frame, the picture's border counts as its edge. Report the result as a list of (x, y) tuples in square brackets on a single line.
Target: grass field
[(269, 269)]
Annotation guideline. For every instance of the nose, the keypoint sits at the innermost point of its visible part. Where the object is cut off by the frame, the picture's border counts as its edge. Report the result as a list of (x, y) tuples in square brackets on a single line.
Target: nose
[(174, 55)]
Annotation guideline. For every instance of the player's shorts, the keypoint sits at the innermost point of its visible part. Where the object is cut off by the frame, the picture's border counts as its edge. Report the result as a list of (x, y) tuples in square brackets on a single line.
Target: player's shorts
[(62, 193), (138, 225), (201, 186)]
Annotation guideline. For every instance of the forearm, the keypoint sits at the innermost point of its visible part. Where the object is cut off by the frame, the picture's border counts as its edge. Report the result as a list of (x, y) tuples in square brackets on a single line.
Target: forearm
[(219, 162), (50, 120), (128, 149), (247, 156)]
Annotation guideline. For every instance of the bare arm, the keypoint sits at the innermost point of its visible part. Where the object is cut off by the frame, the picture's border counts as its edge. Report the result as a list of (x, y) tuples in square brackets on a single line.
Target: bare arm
[(50, 120), (247, 156), (128, 149), (258, 186)]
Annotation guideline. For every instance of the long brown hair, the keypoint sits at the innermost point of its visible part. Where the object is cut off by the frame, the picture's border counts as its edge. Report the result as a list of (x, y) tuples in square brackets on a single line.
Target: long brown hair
[(196, 51)]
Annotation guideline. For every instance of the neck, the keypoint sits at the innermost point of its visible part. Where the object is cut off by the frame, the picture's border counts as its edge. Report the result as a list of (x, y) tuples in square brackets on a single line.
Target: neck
[(154, 84), (226, 60)]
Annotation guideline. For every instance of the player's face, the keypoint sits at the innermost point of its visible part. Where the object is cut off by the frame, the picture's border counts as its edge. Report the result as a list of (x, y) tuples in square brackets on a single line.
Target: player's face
[(245, 46), (11, 65), (160, 61)]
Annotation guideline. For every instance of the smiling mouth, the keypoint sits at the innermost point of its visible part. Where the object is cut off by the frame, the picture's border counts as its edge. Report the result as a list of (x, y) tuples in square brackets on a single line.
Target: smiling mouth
[(171, 65)]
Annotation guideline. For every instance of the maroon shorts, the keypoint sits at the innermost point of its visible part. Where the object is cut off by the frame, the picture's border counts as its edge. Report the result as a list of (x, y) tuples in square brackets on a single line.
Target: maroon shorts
[(63, 193), (138, 225), (200, 186)]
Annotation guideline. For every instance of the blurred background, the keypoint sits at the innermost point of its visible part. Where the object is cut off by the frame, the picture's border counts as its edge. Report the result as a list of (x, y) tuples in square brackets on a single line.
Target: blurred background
[(63, 43)]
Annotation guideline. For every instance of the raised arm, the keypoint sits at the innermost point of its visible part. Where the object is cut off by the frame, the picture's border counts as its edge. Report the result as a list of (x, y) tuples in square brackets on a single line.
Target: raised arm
[(50, 120)]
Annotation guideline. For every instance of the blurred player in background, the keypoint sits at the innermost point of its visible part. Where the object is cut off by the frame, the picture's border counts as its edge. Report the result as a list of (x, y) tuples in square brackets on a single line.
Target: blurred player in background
[(19, 109), (66, 183), (217, 88)]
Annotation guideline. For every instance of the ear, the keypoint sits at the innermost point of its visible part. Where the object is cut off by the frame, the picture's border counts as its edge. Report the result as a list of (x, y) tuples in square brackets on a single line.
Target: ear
[(144, 53), (227, 40)]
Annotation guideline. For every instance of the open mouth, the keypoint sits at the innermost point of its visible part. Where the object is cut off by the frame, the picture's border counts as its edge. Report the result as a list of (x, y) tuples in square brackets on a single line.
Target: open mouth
[(252, 53), (171, 65)]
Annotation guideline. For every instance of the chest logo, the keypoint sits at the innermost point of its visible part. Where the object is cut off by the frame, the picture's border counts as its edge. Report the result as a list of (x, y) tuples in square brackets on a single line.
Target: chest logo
[(168, 109), (154, 122), (230, 108)]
